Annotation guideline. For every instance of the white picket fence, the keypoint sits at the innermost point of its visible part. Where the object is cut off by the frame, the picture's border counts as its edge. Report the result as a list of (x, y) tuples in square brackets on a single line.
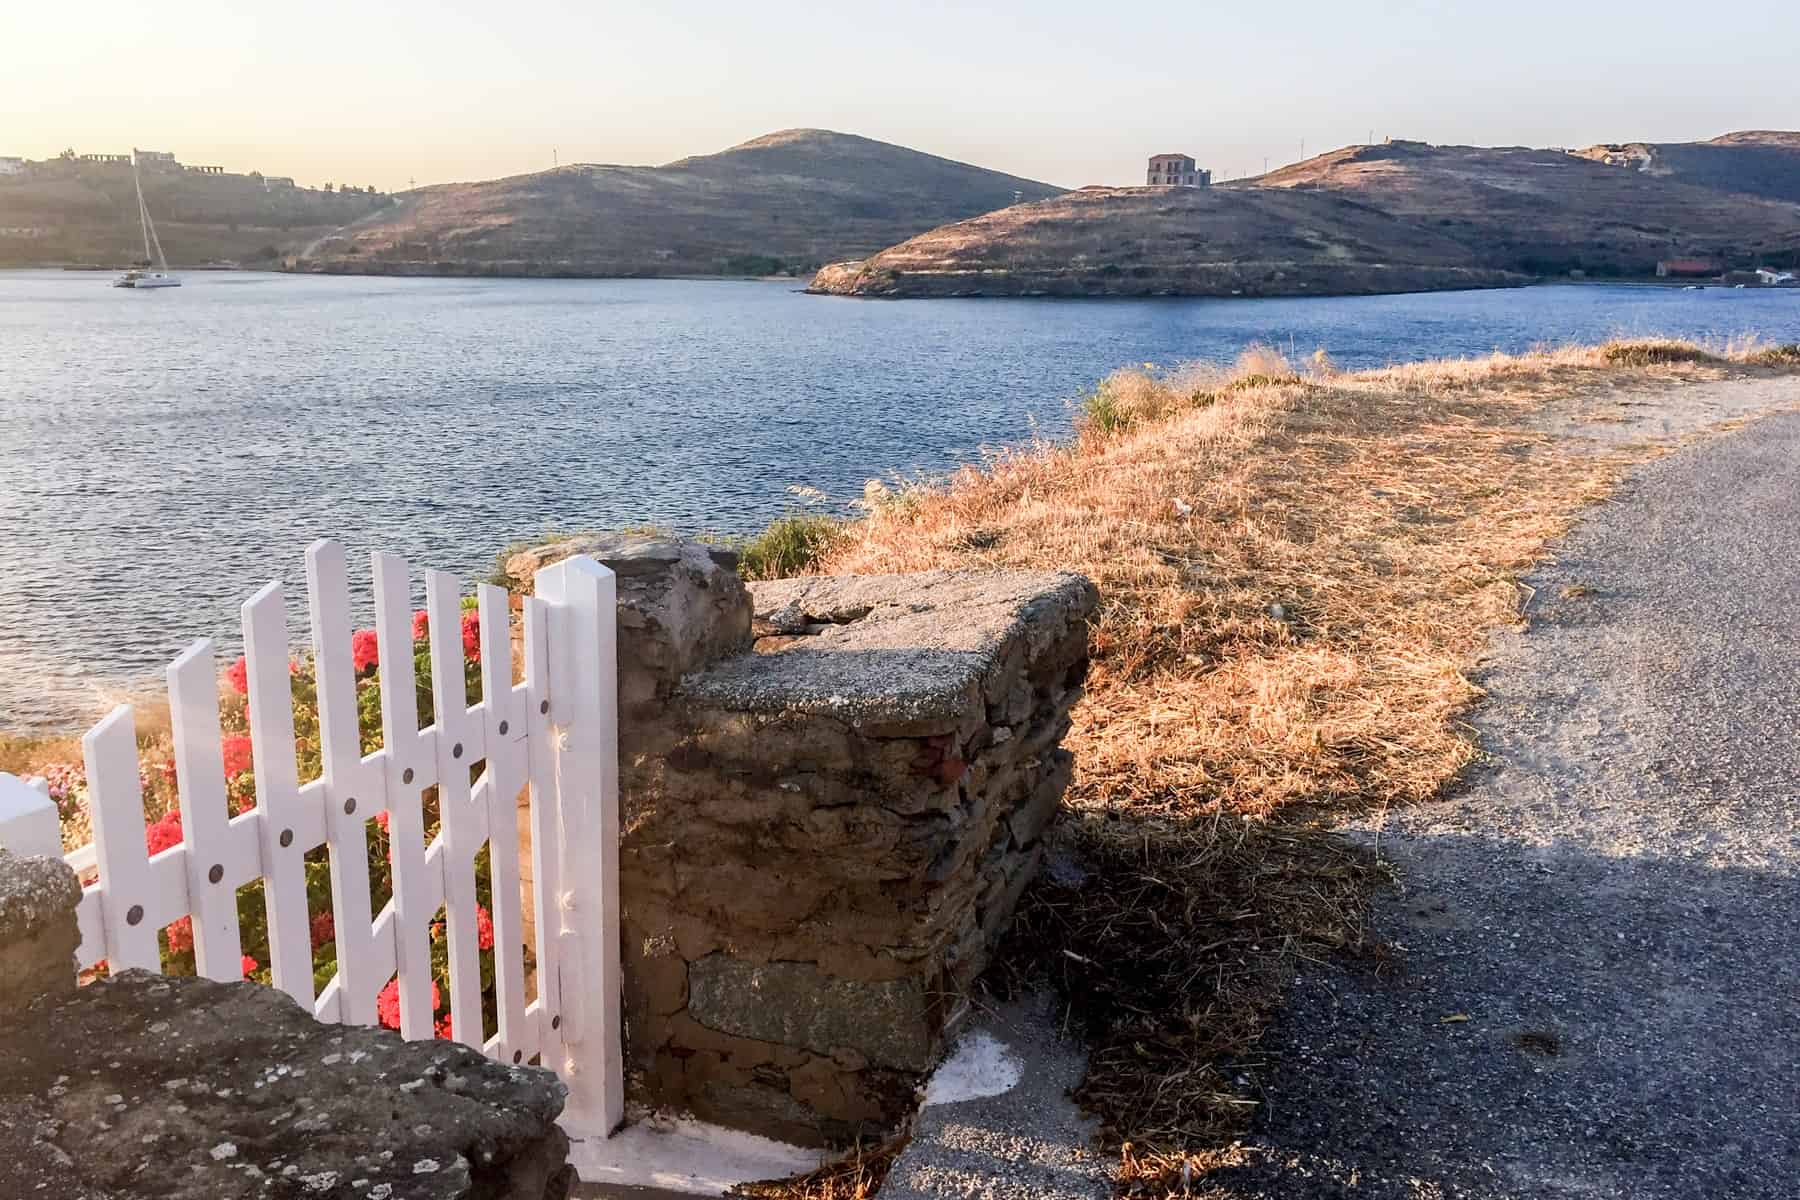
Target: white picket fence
[(554, 735)]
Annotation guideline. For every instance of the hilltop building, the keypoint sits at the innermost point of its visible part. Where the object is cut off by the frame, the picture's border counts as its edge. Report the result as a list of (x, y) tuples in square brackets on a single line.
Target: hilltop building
[(1175, 170), (11, 164), (107, 160), (155, 158)]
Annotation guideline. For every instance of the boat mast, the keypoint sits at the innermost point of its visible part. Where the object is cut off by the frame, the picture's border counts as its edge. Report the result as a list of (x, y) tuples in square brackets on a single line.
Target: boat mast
[(149, 226), (143, 213)]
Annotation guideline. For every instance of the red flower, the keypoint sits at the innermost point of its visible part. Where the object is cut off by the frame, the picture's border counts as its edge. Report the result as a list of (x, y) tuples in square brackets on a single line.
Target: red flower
[(381, 819), (363, 650), (163, 834), (247, 965), (443, 1027), (471, 633), (323, 930), (421, 624), (181, 935), (235, 750), (245, 802), (238, 676), (387, 1005), (484, 928)]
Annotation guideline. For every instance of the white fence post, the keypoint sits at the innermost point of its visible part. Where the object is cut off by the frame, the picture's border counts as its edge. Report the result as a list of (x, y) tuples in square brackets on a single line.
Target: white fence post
[(584, 693), (28, 821)]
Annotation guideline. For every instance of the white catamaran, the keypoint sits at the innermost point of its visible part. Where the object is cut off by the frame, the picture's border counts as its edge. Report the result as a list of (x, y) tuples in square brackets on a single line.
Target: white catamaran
[(146, 278)]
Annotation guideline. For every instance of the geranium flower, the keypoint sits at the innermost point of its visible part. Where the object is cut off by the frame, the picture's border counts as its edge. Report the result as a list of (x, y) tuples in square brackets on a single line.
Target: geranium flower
[(484, 928), (181, 935), (363, 650), (235, 750), (471, 635), (247, 965), (324, 929), (238, 676), (164, 834), (387, 1004), (444, 1029), (421, 624)]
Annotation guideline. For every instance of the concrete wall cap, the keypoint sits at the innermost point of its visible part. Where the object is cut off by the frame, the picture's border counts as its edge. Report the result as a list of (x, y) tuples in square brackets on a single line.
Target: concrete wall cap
[(891, 647)]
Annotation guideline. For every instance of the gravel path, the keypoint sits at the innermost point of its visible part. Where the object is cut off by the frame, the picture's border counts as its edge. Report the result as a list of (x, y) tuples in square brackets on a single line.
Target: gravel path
[(1600, 994)]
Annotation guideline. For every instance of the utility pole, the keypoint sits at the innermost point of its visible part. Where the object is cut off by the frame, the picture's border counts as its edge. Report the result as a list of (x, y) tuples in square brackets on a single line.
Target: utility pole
[(1302, 149), (553, 160), (1265, 164)]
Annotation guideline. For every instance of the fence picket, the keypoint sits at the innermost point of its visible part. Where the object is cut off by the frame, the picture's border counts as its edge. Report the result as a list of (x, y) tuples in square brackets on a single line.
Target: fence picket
[(461, 831), (285, 826), (499, 790), (409, 772), (355, 788), (546, 831), (212, 872), (116, 803)]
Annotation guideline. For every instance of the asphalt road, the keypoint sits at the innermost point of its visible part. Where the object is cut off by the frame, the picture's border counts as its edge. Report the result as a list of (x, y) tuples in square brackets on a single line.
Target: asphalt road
[(1600, 990)]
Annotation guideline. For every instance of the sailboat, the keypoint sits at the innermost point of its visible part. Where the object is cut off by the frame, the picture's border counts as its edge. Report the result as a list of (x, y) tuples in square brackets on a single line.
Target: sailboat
[(143, 279)]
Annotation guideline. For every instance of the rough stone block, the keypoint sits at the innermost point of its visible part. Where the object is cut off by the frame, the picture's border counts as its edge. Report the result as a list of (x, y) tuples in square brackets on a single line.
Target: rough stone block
[(796, 1004), (38, 937)]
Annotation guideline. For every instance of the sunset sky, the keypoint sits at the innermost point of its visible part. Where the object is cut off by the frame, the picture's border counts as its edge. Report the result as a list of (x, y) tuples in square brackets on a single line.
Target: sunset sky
[(403, 90)]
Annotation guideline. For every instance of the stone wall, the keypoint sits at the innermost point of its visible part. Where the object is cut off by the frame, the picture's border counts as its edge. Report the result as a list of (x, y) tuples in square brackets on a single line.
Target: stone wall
[(833, 791)]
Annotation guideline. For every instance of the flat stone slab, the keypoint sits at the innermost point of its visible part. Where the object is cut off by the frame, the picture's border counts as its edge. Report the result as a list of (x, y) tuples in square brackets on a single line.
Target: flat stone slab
[(998, 1123), (891, 648), (193, 1090)]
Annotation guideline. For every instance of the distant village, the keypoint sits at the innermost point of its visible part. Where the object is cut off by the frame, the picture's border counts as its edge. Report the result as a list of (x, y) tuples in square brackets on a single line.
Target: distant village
[(162, 161)]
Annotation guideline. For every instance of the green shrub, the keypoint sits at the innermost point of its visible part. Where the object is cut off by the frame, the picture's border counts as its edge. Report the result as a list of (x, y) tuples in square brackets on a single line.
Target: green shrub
[(789, 546)]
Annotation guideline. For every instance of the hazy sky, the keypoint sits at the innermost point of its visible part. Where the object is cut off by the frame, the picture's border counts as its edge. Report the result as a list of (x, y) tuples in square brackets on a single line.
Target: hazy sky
[(386, 91)]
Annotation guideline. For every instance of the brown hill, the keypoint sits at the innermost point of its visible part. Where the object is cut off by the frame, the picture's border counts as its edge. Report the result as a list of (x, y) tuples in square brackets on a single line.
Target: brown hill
[(1392, 217), (1546, 212), (1756, 162), (69, 212), (785, 202), (1167, 241)]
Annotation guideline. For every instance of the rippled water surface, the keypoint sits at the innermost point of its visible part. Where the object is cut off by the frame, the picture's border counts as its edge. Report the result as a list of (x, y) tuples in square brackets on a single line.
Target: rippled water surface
[(163, 454)]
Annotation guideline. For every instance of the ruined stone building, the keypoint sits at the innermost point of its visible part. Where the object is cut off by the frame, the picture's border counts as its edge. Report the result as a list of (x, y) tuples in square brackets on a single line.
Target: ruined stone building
[(1175, 170)]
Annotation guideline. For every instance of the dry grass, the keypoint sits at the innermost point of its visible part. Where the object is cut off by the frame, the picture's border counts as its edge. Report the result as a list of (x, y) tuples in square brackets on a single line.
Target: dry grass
[(856, 1177), (1296, 571)]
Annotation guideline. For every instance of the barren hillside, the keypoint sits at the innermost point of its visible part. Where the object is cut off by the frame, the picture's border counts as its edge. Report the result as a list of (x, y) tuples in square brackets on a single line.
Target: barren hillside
[(1168, 241), (1757, 162), (785, 202), (86, 214), (1546, 212)]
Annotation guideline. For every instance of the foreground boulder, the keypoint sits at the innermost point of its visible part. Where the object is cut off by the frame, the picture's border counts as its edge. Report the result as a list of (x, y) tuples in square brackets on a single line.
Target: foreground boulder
[(146, 1085)]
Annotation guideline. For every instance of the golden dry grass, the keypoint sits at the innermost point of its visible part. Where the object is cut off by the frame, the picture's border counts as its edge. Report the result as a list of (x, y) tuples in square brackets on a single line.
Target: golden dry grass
[(1297, 569), (857, 1176)]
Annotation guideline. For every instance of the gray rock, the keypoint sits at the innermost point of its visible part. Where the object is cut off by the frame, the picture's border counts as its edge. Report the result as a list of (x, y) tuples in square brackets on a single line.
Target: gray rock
[(194, 1090)]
